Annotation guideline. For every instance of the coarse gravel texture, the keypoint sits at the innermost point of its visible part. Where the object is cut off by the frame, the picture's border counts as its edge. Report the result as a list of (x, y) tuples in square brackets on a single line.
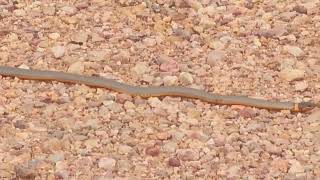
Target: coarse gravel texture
[(265, 49)]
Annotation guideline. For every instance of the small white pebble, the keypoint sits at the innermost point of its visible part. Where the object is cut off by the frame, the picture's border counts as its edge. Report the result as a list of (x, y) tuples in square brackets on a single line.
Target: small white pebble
[(154, 102), (54, 36), (58, 51), (149, 42), (140, 68), (186, 78), (170, 80)]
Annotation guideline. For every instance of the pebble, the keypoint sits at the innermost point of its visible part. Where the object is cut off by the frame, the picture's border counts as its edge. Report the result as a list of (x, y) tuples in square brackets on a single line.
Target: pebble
[(148, 78), (247, 113), (91, 143), (122, 56), (82, 5), (80, 37), (125, 149), (193, 113), (49, 10), (170, 147), (295, 167), (54, 36), (25, 172), (188, 154), (92, 124), (170, 80), (233, 171), (58, 51), (199, 135), (276, 32), (154, 102), (292, 74), (314, 116), (287, 63), (115, 107), (255, 126), (56, 157), (169, 66), (219, 140), (153, 151), (215, 57), (281, 165), (273, 149), (76, 67), (163, 135), (194, 4), (217, 45), (52, 145), (107, 163), (69, 10), (162, 58), (149, 42), (181, 4), (313, 61), (191, 121), (19, 12), (61, 174), (97, 55), (185, 78), (174, 162), (300, 9), (80, 101), (140, 68), (96, 37), (184, 33), (122, 98), (312, 7), (301, 86), (125, 165), (294, 50)]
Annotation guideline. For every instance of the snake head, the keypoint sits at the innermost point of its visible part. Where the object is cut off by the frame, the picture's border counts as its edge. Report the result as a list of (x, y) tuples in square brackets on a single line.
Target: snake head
[(307, 106)]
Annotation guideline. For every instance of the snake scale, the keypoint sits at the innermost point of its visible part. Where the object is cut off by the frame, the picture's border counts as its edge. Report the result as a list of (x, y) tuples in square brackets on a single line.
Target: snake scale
[(110, 84)]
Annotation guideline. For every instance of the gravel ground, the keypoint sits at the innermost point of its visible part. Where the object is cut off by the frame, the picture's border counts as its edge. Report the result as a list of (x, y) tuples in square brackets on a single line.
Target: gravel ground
[(266, 49)]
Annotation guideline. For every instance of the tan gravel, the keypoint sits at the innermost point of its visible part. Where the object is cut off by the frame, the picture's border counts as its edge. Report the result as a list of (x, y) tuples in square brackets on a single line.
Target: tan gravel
[(265, 49)]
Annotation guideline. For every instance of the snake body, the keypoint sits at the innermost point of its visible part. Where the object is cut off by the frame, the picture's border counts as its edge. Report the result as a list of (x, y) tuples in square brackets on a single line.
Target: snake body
[(110, 84)]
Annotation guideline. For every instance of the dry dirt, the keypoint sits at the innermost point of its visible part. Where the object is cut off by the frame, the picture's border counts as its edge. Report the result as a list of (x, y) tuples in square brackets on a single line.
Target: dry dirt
[(265, 49)]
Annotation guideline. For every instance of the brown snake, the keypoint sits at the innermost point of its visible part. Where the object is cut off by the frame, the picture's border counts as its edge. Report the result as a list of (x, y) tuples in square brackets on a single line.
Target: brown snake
[(153, 91)]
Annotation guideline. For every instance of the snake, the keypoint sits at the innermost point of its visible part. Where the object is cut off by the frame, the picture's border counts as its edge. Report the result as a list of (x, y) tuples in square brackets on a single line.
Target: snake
[(153, 91)]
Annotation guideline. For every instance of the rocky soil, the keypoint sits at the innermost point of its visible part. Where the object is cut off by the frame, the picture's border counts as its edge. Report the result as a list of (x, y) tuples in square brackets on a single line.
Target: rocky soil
[(265, 49)]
